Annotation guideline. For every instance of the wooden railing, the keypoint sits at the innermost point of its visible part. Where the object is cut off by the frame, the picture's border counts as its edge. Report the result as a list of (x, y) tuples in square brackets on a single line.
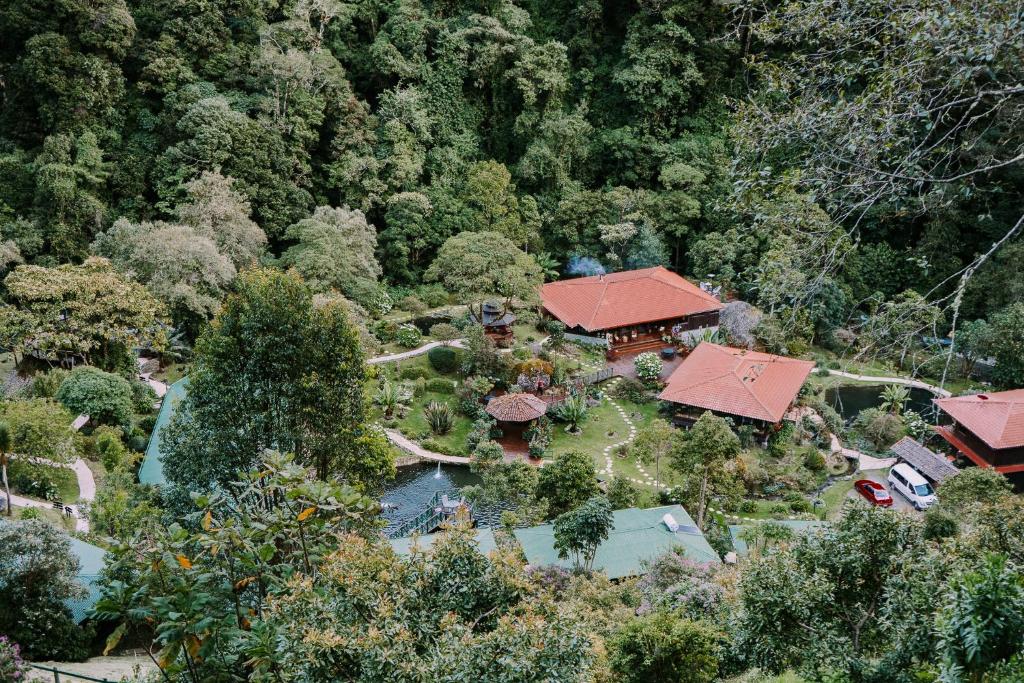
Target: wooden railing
[(70, 676)]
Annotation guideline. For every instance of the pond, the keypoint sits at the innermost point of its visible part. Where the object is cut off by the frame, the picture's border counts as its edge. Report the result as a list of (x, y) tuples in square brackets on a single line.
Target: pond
[(850, 399), (414, 485)]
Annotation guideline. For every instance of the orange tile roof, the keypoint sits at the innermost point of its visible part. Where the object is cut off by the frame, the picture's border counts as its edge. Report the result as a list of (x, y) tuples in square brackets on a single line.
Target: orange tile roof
[(520, 407), (603, 302), (997, 419), (738, 382)]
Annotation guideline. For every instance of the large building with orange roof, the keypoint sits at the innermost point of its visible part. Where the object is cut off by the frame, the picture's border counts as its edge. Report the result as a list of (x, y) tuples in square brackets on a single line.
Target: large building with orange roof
[(749, 386), (988, 429), (632, 310)]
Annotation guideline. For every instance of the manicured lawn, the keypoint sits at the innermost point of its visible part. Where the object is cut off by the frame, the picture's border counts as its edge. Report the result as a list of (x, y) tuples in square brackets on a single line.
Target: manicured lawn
[(415, 426), (604, 427), (835, 496), (62, 477), (50, 515)]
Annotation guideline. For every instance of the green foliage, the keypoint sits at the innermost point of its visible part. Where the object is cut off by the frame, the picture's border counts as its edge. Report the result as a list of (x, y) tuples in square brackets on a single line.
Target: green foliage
[(475, 265), (622, 493), (578, 532), (37, 574), (439, 416), (444, 332), (567, 482), (278, 520), (1007, 346), (408, 336), (971, 487), (814, 604), (982, 621), (442, 358), (648, 367), (105, 397), (700, 457), (308, 362), (631, 390), (87, 311), (574, 410), (46, 384), (41, 428), (881, 428), (440, 385), (663, 646), (334, 249), (813, 459)]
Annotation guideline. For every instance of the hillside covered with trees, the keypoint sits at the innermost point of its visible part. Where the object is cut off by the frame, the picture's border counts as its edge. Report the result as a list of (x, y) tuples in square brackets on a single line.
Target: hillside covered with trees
[(279, 297)]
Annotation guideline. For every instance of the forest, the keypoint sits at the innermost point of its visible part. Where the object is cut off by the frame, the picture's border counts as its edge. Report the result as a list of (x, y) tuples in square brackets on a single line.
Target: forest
[(248, 251), (699, 135)]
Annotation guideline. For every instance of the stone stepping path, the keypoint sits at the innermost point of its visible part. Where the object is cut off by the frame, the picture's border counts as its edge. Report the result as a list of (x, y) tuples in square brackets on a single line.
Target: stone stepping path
[(647, 480)]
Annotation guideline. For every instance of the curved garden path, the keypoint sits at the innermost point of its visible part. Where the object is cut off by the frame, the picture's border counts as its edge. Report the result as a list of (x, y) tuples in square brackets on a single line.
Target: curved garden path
[(410, 446), (905, 381), (411, 353), (86, 490)]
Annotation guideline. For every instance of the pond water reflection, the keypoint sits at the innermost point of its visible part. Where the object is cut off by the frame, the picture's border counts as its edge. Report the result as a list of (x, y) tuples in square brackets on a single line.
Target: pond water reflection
[(850, 399), (410, 492)]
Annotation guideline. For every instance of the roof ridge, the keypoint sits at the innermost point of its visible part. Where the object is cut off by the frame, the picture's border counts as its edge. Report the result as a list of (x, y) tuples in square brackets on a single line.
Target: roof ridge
[(749, 387), (597, 308)]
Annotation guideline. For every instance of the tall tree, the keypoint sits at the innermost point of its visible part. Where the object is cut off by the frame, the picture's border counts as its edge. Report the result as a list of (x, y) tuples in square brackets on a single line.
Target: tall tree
[(476, 265), (335, 250), (700, 456), (274, 371)]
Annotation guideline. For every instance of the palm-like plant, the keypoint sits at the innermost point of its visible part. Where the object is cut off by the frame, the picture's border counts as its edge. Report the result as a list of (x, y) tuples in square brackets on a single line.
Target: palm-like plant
[(573, 410), (894, 398), (548, 265), (388, 397), (5, 447), (440, 416)]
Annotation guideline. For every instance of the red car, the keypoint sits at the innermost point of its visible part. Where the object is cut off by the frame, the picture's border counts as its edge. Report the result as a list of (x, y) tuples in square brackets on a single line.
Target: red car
[(874, 492)]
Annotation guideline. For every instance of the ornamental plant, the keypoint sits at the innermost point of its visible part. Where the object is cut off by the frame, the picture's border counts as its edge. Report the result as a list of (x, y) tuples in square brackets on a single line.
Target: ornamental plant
[(648, 367), (12, 667), (440, 416), (408, 336)]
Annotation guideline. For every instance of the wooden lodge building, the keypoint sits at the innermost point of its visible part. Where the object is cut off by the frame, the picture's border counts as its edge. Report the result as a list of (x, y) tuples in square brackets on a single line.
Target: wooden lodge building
[(631, 311), (748, 386), (988, 429)]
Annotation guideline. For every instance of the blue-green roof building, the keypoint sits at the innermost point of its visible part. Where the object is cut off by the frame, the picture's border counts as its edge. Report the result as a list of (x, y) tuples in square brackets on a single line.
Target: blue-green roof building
[(152, 470), (638, 536), (797, 526)]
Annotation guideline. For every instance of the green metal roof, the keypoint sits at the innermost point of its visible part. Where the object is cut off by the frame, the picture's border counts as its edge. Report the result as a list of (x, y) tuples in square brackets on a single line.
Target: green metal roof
[(403, 546), (152, 471), (91, 559), (638, 535), (797, 525)]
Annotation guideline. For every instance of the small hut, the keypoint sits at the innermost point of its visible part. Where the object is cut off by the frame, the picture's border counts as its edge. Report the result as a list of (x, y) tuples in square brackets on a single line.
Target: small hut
[(497, 322), (514, 414)]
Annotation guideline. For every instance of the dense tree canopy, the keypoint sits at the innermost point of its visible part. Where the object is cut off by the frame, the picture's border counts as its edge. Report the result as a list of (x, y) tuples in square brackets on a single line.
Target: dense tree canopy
[(274, 371)]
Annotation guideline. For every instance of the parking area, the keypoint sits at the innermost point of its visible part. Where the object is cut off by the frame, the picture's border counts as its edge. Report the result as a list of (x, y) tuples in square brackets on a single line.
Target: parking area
[(898, 501)]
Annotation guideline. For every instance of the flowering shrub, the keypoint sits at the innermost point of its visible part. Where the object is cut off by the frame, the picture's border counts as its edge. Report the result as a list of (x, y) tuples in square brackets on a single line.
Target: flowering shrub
[(12, 667), (676, 583), (408, 336), (648, 366)]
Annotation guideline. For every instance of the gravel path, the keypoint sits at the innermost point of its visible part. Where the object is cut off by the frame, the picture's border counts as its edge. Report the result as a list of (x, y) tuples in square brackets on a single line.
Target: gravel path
[(414, 448), (457, 343), (86, 490)]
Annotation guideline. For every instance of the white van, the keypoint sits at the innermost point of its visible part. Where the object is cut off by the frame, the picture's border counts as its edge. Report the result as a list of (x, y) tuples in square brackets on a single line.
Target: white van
[(912, 486)]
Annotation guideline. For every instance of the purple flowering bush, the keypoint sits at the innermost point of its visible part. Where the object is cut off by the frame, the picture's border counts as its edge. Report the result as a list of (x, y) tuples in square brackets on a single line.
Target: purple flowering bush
[(12, 667), (678, 584)]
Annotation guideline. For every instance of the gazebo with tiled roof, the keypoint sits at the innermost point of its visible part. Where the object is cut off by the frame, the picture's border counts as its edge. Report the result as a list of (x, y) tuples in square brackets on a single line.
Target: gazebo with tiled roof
[(519, 407)]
